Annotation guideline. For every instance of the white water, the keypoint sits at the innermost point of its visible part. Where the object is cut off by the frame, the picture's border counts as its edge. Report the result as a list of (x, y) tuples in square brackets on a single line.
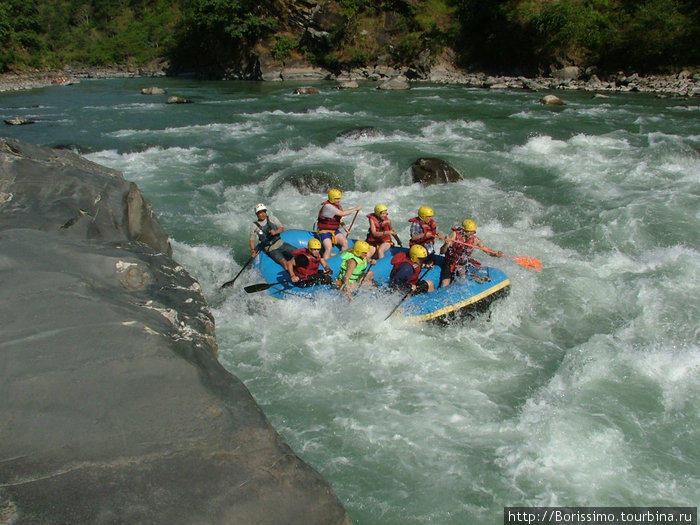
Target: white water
[(580, 388)]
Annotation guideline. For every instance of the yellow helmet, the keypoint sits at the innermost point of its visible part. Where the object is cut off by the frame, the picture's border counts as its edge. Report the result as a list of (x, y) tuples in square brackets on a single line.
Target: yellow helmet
[(424, 212), (314, 244), (417, 252), (469, 225), (360, 247), (335, 193), (379, 208)]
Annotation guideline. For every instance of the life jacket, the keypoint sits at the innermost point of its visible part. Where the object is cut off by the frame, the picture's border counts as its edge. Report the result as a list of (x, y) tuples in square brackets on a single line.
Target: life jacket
[(380, 226), (326, 223), (264, 235), (429, 226), (311, 268), (356, 272), (402, 258), (459, 253)]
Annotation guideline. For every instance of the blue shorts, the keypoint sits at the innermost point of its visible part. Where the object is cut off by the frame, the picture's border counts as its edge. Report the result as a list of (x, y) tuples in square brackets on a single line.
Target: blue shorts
[(327, 234)]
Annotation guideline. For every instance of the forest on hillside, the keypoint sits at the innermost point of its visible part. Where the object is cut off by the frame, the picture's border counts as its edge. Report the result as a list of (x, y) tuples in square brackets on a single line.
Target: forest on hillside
[(505, 36)]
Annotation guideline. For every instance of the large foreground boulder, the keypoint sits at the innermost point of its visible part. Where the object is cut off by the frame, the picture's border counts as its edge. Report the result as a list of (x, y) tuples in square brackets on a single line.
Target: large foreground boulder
[(114, 407)]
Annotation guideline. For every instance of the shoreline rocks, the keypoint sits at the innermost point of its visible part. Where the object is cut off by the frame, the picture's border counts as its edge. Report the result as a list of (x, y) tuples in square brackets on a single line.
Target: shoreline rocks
[(683, 84)]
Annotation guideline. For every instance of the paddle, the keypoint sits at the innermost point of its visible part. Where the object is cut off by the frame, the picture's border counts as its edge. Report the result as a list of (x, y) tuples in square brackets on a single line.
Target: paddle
[(259, 287), (348, 230), (407, 294), (523, 260), (229, 283), (398, 241)]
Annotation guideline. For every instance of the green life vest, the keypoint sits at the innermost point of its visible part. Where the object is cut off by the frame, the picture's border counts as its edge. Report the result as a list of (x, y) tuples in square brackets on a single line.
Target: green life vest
[(357, 271)]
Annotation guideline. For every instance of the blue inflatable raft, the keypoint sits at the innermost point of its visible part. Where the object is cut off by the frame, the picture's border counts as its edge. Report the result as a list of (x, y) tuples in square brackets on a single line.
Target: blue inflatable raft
[(474, 292)]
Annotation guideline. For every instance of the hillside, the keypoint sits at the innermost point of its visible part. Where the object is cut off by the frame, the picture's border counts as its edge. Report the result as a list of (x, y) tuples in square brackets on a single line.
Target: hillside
[(229, 38)]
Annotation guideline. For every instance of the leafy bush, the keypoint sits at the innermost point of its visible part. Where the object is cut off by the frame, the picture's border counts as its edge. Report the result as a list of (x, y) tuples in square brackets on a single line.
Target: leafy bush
[(283, 47)]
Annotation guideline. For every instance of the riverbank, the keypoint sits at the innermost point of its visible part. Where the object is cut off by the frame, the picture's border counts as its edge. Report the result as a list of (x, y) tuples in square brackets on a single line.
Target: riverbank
[(684, 84), (39, 79)]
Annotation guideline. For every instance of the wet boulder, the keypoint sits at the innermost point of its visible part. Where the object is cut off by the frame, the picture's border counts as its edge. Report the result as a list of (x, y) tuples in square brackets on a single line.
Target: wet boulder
[(19, 121), (153, 90), (313, 182), (395, 84), (551, 100), (305, 90), (178, 100), (359, 133), (429, 171)]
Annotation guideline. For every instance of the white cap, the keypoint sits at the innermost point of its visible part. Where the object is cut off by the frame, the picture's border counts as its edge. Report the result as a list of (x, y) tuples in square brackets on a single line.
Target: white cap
[(260, 207)]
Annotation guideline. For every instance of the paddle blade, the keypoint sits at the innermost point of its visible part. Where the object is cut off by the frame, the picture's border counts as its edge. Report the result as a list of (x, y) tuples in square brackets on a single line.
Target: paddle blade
[(528, 262), (258, 287)]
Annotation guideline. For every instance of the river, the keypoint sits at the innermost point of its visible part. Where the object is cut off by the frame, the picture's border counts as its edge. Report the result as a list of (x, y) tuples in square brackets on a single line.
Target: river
[(580, 388)]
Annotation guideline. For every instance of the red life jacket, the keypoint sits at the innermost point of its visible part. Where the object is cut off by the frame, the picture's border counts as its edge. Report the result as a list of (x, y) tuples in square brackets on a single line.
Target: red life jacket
[(401, 258), (325, 223), (459, 252), (428, 226), (304, 272), (380, 226)]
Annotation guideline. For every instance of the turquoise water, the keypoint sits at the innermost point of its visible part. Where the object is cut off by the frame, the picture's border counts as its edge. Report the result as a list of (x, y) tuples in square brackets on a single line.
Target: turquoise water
[(582, 387)]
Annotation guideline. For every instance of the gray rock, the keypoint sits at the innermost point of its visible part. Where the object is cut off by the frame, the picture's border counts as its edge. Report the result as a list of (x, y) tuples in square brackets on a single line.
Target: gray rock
[(114, 406), (429, 171), (347, 84), (58, 191), (359, 133), (396, 83), (551, 100), (18, 121), (153, 90), (306, 90), (174, 99), (308, 183), (567, 73)]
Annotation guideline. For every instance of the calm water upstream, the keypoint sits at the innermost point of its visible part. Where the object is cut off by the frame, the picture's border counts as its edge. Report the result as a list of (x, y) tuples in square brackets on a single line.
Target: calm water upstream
[(581, 388)]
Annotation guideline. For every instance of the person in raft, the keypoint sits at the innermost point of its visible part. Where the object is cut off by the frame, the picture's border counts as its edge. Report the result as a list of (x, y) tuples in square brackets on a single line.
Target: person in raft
[(330, 219), (406, 270), (305, 266), (458, 248), (424, 229), (355, 263), (265, 234), (380, 231)]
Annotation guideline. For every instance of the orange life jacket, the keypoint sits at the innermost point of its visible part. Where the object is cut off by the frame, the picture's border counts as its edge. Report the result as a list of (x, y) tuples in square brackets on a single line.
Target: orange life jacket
[(380, 226)]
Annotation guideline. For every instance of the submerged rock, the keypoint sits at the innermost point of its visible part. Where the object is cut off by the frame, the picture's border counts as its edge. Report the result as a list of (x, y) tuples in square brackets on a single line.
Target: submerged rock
[(395, 84), (19, 121), (115, 408), (359, 133), (308, 183), (174, 99), (429, 171), (306, 90), (551, 100), (153, 90)]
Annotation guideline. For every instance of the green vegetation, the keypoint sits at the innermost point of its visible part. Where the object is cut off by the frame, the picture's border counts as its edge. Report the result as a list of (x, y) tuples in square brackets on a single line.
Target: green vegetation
[(50, 34), (507, 36), (643, 35)]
